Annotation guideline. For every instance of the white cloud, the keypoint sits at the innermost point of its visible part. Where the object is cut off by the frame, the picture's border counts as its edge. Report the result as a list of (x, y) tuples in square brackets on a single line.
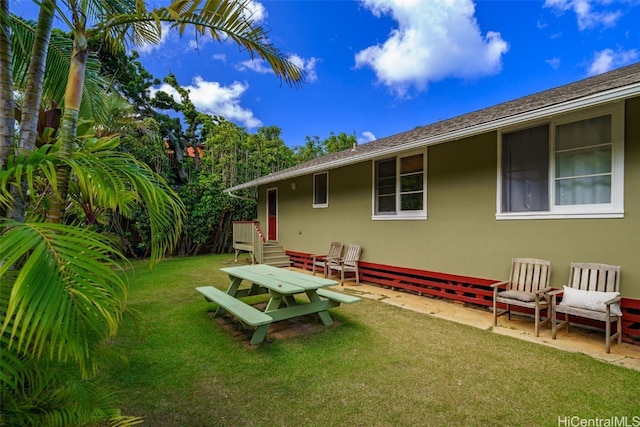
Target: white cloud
[(307, 65), (365, 137), (607, 59), (554, 63), (261, 66), (198, 42), (215, 99), (257, 65), (257, 12), (585, 13), (433, 41)]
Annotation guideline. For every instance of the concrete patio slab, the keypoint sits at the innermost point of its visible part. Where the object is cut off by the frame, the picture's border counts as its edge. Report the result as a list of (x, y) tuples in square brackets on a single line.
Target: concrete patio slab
[(590, 342)]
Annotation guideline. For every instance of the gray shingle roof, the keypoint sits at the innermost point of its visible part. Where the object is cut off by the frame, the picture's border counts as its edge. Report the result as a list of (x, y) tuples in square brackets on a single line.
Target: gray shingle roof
[(617, 84)]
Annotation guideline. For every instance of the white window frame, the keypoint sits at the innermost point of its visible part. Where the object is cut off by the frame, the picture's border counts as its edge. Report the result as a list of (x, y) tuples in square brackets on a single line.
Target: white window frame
[(614, 209), (320, 205), (400, 215)]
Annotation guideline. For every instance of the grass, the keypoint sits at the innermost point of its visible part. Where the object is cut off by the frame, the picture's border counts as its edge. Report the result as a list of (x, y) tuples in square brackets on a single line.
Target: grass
[(380, 365)]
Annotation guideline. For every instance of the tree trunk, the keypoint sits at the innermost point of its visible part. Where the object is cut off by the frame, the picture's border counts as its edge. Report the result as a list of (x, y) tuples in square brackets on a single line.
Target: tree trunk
[(7, 102), (33, 97), (35, 77), (182, 175), (72, 99)]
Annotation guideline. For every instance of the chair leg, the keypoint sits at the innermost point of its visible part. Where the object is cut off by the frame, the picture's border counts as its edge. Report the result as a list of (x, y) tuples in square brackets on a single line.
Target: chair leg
[(607, 336), (342, 277), (495, 312), (537, 321), (619, 330)]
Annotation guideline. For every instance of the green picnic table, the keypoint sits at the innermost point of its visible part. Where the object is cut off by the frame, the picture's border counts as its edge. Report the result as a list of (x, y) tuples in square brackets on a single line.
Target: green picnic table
[(283, 286)]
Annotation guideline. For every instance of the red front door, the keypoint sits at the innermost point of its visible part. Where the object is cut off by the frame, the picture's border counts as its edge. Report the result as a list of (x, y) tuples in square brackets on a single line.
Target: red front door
[(272, 214)]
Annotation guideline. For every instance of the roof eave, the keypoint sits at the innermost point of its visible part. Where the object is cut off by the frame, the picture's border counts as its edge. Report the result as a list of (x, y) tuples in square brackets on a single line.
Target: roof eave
[(572, 105)]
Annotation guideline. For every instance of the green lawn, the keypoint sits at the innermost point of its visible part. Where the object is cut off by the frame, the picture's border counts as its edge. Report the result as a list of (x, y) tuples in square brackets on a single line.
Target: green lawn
[(379, 366)]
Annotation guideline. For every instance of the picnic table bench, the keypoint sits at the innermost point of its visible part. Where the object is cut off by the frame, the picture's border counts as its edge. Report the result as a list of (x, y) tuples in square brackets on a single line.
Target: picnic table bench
[(246, 313), (283, 286), (337, 296)]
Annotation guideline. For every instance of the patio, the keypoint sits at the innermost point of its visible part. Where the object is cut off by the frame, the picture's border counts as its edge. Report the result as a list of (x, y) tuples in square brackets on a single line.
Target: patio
[(579, 339)]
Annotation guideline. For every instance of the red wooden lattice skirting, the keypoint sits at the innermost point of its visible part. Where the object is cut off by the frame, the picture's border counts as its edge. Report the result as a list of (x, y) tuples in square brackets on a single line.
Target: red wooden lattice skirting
[(469, 290)]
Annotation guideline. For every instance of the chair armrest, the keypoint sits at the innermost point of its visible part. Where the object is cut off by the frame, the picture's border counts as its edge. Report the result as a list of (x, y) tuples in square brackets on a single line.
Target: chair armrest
[(498, 284), (613, 300), (554, 295), (543, 291), (333, 261)]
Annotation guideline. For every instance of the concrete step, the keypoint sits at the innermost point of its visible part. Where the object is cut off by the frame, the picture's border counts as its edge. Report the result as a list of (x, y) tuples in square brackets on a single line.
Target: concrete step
[(277, 260), (270, 247), (275, 255)]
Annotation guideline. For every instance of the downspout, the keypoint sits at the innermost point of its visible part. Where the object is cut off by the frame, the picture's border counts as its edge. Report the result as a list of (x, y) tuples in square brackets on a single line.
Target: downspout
[(235, 196)]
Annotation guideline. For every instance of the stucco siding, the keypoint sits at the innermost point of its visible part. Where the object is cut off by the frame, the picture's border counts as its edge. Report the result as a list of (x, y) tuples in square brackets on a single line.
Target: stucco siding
[(461, 234)]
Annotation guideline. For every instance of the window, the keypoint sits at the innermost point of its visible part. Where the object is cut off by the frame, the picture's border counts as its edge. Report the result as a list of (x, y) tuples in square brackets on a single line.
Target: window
[(583, 162), (320, 190), (525, 166), (571, 166), (399, 187)]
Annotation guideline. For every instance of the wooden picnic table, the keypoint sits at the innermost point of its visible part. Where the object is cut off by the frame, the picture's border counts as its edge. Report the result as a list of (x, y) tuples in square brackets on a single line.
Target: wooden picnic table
[(283, 286)]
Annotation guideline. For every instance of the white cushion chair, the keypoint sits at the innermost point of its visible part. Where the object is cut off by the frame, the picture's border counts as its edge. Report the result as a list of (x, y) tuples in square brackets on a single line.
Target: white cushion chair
[(593, 292)]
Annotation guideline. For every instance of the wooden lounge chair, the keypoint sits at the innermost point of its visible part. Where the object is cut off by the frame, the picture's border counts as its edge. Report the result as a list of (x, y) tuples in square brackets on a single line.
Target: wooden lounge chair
[(528, 286), (593, 292), (335, 252), (347, 264)]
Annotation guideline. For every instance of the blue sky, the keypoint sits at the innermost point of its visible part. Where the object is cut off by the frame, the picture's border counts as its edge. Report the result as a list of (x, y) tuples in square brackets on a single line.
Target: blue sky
[(379, 67)]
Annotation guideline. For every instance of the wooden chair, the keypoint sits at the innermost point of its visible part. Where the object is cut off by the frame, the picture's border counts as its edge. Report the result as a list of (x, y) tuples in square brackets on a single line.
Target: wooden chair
[(528, 286), (347, 264), (335, 252), (593, 292)]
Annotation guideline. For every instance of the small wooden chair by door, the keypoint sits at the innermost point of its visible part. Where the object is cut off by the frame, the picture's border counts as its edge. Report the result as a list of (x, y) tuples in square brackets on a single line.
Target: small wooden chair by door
[(347, 264), (528, 286), (334, 254)]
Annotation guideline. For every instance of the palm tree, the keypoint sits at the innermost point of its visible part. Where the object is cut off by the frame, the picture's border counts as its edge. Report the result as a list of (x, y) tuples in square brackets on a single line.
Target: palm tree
[(131, 21), (61, 294), (7, 106)]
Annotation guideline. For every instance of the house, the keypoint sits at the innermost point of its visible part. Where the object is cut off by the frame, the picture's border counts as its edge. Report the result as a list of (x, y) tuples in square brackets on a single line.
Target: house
[(443, 208)]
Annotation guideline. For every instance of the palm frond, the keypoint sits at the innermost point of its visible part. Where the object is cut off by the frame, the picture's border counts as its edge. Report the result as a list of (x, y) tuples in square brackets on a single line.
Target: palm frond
[(233, 19), (217, 18), (123, 181), (67, 296), (51, 394), (57, 69), (35, 169)]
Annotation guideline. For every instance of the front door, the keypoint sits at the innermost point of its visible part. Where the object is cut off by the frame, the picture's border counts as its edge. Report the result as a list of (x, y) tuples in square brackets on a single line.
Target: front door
[(272, 214)]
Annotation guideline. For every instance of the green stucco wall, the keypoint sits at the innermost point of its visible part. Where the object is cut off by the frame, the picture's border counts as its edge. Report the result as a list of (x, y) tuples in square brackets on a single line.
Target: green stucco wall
[(461, 235)]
